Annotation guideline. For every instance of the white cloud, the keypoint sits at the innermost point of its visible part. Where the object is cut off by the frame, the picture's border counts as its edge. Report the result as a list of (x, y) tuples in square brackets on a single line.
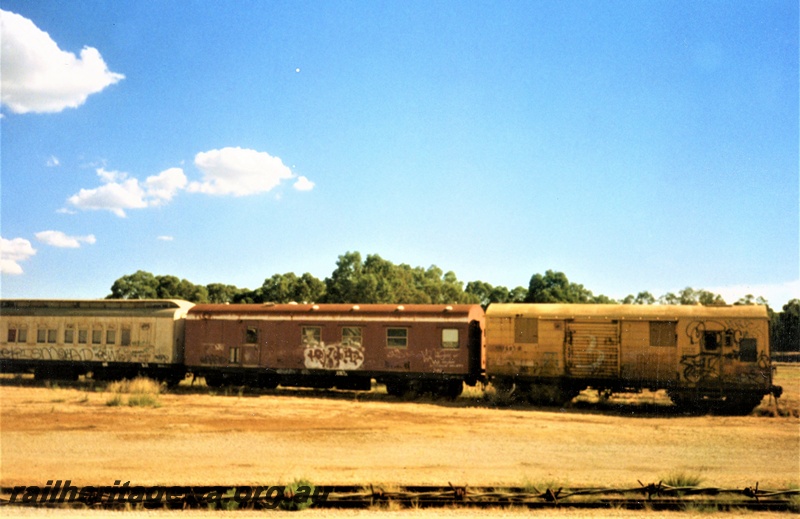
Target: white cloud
[(165, 238), (59, 239), (120, 192), (228, 171), (303, 184), (53, 162), (238, 172), (39, 77), (12, 252), (162, 187)]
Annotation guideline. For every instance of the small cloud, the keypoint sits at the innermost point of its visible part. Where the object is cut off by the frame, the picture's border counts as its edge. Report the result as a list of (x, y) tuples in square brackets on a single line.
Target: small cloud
[(120, 192), (37, 76), (238, 172), (166, 238), (303, 184), (53, 162), (12, 252), (61, 240), (162, 187)]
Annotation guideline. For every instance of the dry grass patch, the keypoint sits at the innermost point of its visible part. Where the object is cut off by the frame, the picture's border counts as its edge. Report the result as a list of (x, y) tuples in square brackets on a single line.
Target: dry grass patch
[(682, 479), (141, 391)]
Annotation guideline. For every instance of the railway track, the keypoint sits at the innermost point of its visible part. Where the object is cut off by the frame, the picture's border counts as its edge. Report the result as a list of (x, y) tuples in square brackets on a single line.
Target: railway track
[(656, 497)]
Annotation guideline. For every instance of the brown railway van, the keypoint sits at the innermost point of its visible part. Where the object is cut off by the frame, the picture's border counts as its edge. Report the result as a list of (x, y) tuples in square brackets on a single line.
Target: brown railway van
[(410, 348)]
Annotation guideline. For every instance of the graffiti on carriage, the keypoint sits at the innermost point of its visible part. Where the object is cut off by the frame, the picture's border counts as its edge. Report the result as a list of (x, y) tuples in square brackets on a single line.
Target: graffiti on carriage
[(333, 356), (732, 342), (134, 353)]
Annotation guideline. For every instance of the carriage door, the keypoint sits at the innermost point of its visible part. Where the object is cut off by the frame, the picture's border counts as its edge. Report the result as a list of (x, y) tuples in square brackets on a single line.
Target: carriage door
[(592, 349), (713, 342), (475, 349), (250, 347)]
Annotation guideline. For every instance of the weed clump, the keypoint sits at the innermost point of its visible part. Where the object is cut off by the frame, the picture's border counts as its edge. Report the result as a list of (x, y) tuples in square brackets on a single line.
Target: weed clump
[(682, 479), (142, 391)]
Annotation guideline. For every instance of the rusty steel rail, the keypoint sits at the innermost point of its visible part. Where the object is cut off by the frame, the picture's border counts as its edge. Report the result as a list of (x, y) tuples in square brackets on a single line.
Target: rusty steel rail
[(653, 496)]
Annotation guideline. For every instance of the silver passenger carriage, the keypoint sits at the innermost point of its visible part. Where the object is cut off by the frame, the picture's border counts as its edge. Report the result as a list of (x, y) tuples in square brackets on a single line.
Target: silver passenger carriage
[(109, 338)]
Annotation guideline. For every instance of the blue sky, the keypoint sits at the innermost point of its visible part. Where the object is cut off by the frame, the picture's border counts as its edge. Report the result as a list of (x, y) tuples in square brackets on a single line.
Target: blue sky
[(641, 145)]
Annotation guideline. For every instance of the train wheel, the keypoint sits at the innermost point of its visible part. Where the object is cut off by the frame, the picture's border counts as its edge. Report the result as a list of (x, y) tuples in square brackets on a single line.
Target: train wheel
[(688, 402), (55, 374), (214, 379), (548, 394), (738, 405), (267, 382), (396, 388), (171, 380), (453, 389), (504, 391)]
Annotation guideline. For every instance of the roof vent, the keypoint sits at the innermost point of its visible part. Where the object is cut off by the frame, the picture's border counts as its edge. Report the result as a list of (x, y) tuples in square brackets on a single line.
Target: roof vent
[(448, 308), (400, 308), (315, 307), (356, 307)]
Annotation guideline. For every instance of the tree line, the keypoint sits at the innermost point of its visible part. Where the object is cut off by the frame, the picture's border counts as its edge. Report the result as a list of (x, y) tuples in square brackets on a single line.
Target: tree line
[(376, 280)]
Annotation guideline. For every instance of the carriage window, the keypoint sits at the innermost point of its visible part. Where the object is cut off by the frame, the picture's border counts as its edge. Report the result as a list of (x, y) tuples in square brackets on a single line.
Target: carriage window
[(111, 336), (663, 333), (526, 330), (351, 337), (43, 335), (397, 337), (450, 338), (711, 341), (251, 336), (729, 339), (748, 350), (69, 336), (17, 335), (233, 355), (312, 336), (83, 336), (126, 337), (97, 336)]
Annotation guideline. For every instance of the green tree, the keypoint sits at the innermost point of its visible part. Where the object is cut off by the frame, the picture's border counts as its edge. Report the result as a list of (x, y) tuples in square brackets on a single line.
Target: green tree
[(704, 297), (554, 287), (377, 280), (342, 286), (481, 290), (487, 294), (287, 288), (669, 299), (309, 288), (221, 293), (279, 288), (517, 295), (749, 299), (170, 287), (786, 328), (140, 285), (642, 298)]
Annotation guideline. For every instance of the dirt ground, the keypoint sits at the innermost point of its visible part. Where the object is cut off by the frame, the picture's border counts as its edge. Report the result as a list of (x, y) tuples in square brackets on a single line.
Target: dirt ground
[(197, 436), (460, 513)]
